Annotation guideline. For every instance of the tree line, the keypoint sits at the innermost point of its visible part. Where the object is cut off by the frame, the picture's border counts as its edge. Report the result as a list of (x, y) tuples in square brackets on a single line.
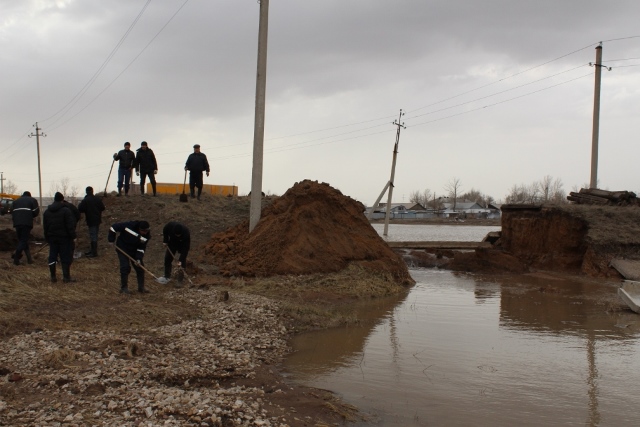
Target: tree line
[(546, 190)]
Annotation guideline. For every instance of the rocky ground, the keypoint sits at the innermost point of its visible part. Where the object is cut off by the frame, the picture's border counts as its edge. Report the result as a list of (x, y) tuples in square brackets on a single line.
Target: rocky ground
[(82, 354)]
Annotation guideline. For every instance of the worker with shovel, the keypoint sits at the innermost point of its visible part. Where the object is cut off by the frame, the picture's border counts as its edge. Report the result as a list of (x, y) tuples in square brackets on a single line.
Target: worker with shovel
[(130, 246), (176, 238)]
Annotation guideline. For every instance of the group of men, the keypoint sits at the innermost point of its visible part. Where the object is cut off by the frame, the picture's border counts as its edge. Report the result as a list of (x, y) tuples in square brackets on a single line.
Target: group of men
[(145, 164), (59, 224)]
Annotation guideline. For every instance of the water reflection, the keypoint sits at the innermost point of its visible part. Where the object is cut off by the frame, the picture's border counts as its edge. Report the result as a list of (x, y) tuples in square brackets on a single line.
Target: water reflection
[(464, 350)]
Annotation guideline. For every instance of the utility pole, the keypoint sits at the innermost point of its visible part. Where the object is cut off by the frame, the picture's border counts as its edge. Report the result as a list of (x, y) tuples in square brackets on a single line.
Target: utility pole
[(593, 183), (258, 127), (393, 172), (1, 182), (38, 135)]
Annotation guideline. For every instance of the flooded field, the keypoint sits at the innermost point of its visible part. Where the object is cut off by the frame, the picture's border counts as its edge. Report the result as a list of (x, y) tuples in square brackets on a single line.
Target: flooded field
[(470, 350)]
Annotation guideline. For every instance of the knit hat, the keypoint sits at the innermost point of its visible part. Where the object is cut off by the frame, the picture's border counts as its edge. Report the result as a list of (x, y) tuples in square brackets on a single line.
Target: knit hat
[(27, 193), (143, 225), (178, 230), (89, 190), (58, 197), (143, 143), (127, 144), (196, 146)]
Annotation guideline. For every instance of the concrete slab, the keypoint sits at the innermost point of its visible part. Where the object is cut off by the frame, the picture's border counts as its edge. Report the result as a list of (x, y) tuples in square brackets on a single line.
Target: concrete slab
[(630, 269)]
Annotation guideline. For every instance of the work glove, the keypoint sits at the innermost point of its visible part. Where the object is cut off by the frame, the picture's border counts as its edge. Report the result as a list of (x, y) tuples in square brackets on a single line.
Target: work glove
[(115, 155), (137, 173), (185, 168), (179, 264), (155, 172), (207, 173)]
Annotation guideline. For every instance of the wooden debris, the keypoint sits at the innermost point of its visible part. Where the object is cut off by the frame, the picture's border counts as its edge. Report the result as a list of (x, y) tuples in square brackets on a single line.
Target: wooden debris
[(594, 196)]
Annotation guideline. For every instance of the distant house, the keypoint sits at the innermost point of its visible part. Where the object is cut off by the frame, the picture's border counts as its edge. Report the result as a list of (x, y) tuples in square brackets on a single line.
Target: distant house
[(464, 209)]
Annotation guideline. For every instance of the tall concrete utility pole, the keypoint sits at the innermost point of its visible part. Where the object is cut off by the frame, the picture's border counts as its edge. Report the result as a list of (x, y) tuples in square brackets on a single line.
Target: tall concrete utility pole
[(593, 183), (393, 172), (1, 182), (258, 128), (38, 135)]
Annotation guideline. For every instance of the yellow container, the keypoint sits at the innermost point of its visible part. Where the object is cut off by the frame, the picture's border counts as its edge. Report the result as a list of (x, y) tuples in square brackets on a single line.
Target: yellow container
[(216, 190)]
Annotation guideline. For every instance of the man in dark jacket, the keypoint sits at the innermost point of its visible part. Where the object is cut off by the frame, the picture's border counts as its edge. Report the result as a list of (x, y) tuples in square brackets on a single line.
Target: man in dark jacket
[(127, 159), (131, 244), (60, 232), (196, 164), (92, 208), (176, 238), (25, 208), (146, 165)]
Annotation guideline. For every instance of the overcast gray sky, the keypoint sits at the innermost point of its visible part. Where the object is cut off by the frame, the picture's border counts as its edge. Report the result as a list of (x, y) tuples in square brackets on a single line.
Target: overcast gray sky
[(496, 93)]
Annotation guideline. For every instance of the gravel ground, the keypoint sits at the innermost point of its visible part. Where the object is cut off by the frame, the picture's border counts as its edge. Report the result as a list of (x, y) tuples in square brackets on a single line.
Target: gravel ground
[(180, 374)]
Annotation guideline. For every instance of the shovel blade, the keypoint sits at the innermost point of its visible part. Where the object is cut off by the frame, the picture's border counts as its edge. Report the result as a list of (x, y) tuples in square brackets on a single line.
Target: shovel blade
[(162, 280)]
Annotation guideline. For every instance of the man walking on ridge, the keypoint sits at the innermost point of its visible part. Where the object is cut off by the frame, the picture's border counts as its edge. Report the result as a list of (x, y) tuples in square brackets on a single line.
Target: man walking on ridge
[(196, 164), (127, 159), (146, 165)]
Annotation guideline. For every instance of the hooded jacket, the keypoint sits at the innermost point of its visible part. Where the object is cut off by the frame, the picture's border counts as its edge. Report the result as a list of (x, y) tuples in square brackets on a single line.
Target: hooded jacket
[(58, 222), (145, 161), (25, 208)]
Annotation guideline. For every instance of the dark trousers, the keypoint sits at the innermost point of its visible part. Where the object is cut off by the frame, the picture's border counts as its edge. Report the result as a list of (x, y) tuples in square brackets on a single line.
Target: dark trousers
[(152, 180), (62, 247), (195, 180), (93, 232), (125, 269), (124, 178), (23, 232)]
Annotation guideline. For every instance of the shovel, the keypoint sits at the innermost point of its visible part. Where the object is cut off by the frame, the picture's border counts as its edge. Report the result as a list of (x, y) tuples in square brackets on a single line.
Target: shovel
[(182, 270), (107, 183), (183, 196), (161, 280)]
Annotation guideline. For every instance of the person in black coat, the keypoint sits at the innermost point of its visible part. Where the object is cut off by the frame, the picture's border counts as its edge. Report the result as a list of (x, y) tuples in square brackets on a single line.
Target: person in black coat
[(127, 159), (92, 208), (59, 232), (197, 163), (132, 241), (146, 165), (25, 209), (176, 238)]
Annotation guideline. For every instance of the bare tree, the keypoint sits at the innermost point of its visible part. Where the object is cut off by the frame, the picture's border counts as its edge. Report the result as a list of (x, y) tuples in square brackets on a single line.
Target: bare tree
[(546, 190), (422, 198), (452, 188), (70, 192), (10, 187), (477, 197)]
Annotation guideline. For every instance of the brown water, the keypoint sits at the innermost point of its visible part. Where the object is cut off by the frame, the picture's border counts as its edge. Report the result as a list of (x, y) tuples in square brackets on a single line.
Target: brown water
[(464, 350)]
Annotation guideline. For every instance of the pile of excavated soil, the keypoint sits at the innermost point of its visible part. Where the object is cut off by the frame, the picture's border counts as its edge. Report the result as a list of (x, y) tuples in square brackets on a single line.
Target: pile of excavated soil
[(312, 228), (8, 239)]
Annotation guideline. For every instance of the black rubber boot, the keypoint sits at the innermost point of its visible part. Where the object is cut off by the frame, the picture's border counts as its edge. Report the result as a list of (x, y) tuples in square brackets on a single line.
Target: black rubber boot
[(199, 193), (119, 192), (93, 252), (66, 274), (142, 190), (193, 192), (16, 258), (124, 279), (153, 185), (27, 252), (52, 270), (140, 277)]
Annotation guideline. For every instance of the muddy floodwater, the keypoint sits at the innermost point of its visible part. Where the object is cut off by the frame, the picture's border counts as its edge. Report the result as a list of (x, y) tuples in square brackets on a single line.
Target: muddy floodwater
[(465, 350)]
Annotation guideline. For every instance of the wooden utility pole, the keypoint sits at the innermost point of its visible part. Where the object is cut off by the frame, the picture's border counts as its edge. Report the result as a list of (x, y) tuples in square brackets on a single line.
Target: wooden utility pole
[(393, 172), (38, 135), (258, 129), (593, 183)]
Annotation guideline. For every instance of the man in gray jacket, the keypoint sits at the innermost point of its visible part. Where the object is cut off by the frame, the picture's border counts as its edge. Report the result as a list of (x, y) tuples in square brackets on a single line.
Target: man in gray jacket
[(25, 208)]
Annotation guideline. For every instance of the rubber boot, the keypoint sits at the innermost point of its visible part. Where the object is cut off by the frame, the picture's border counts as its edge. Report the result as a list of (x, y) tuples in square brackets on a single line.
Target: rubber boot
[(199, 193), (16, 258), (153, 186), (66, 274), (27, 252), (94, 250), (193, 192), (124, 279), (142, 190), (52, 270), (119, 192), (140, 277)]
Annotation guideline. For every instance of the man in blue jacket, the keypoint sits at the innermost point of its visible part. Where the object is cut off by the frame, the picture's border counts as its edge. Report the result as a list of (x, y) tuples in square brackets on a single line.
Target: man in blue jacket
[(25, 209), (59, 232), (127, 159), (131, 244)]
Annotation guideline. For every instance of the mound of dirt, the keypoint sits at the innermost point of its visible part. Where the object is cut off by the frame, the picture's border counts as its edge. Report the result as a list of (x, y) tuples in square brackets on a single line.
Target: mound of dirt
[(8, 239), (312, 228)]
